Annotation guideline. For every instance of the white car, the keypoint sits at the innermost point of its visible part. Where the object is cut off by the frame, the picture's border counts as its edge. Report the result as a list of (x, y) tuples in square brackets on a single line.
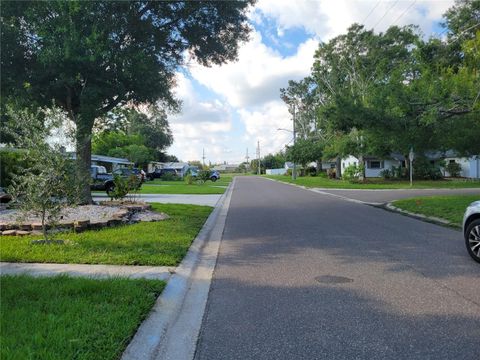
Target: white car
[(471, 230)]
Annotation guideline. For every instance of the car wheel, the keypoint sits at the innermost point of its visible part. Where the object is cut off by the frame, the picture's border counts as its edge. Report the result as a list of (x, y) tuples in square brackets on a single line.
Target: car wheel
[(472, 239), (213, 178), (110, 188)]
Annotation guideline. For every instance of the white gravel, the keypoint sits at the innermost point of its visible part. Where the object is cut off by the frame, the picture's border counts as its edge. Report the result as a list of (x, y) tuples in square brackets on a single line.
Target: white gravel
[(84, 212)]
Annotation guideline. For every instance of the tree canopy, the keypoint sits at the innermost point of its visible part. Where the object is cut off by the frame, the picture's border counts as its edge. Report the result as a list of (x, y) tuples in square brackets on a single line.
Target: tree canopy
[(92, 56)]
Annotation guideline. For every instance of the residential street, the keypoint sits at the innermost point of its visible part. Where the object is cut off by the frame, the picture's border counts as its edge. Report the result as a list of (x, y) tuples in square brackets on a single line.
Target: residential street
[(304, 275)]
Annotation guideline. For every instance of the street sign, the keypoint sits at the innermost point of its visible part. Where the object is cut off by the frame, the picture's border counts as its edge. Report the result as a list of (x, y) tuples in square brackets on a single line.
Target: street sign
[(411, 155)]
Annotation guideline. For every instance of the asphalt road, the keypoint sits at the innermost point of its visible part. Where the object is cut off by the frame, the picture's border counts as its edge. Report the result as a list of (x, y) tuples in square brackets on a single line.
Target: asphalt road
[(302, 275)]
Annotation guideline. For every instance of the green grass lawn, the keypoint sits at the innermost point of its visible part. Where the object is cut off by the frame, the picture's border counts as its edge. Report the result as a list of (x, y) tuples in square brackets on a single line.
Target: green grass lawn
[(71, 318), (449, 207), (149, 243), (180, 187), (321, 182)]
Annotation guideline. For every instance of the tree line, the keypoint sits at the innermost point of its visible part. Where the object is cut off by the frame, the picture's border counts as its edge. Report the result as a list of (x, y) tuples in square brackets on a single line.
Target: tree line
[(374, 93)]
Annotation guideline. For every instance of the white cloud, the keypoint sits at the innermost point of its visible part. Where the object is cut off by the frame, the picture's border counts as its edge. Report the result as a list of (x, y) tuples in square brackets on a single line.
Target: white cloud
[(263, 123), (327, 19), (259, 73)]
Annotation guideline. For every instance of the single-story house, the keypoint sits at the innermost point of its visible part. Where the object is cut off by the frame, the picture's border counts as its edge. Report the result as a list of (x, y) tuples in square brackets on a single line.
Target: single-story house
[(470, 166), (181, 167), (374, 165)]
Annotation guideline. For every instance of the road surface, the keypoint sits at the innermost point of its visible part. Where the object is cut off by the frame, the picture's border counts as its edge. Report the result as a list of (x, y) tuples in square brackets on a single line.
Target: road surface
[(302, 275)]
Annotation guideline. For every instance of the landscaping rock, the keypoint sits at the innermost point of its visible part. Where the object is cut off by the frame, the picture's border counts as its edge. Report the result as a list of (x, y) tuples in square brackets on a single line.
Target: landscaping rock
[(25, 227), (22, 232), (9, 232)]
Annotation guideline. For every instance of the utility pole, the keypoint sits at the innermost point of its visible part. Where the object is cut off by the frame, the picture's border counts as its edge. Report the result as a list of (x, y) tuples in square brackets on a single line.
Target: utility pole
[(294, 172), (246, 161), (203, 157), (258, 157)]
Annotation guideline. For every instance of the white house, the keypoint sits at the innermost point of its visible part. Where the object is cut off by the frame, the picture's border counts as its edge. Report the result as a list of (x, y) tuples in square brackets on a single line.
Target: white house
[(470, 166), (374, 165)]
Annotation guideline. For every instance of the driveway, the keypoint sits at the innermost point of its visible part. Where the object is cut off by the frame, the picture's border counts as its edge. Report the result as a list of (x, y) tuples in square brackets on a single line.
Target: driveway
[(302, 275), (208, 200)]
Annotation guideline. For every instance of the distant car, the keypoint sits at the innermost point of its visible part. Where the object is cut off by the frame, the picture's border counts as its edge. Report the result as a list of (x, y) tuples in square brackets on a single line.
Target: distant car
[(471, 230), (158, 173), (214, 175), (101, 180), (126, 172)]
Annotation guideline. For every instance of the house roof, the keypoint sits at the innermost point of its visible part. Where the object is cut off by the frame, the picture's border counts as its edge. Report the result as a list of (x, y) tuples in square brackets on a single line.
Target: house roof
[(106, 159)]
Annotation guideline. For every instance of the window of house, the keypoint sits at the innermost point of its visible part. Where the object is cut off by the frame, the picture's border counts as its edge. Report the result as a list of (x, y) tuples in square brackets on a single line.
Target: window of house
[(343, 165), (375, 164)]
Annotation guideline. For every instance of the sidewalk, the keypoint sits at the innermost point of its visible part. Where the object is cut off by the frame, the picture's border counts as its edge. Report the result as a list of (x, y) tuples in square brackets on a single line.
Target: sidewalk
[(86, 270)]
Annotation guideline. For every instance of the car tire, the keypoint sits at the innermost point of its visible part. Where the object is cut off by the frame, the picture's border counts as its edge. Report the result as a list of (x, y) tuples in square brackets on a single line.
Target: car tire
[(213, 178), (472, 239), (109, 188)]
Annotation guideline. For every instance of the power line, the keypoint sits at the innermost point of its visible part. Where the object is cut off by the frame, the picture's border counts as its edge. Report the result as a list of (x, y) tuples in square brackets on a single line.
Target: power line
[(401, 15), (371, 11), (386, 12)]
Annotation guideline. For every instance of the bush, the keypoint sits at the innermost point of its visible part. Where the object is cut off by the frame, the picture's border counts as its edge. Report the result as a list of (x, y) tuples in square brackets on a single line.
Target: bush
[(11, 163), (188, 179), (352, 172), (312, 171), (386, 174), (169, 177), (123, 186), (454, 169), (203, 175), (332, 173), (424, 170)]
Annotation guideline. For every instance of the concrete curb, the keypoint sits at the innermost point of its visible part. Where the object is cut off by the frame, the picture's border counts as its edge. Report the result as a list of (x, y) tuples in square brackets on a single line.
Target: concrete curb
[(172, 328), (87, 270), (432, 219)]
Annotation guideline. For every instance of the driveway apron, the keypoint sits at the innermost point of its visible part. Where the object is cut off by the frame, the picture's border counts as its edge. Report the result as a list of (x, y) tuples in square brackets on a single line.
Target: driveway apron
[(302, 275)]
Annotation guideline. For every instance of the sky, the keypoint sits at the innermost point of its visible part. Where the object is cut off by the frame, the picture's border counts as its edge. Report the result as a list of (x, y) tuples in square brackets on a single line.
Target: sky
[(231, 108)]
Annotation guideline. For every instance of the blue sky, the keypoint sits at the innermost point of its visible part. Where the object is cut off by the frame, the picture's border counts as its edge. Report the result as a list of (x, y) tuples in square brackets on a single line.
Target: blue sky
[(228, 108)]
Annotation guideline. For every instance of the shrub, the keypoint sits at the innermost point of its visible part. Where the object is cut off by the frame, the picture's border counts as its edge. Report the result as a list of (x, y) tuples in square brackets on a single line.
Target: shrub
[(424, 170), (312, 171), (168, 177), (11, 163), (386, 174), (124, 185), (188, 179), (352, 172), (203, 175), (332, 173), (46, 184), (454, 169)]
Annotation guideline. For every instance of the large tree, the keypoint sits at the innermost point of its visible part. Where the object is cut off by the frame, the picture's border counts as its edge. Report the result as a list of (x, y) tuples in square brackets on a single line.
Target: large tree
[(92, 56)]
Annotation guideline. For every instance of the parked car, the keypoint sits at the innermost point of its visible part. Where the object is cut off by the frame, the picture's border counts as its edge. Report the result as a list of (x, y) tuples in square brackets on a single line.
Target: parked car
[(213, 176), (471, 230), (101, 180), (158, 173), (127, 172)]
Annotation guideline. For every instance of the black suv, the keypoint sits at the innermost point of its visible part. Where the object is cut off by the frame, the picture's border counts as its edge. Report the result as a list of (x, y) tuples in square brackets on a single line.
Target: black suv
[(158, 173)]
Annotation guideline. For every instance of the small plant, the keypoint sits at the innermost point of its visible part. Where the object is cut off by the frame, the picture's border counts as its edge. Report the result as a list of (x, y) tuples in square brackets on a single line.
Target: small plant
[(168, 177), (203, 176), (386, 174), (332, 173), (352, 172), (454, 169), (123, 186), (311, 171), (46, 184), (188, 179)]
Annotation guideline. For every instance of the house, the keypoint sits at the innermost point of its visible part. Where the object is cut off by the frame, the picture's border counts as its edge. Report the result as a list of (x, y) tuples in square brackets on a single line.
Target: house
[(375, 165), (181, 167), (470, 166)]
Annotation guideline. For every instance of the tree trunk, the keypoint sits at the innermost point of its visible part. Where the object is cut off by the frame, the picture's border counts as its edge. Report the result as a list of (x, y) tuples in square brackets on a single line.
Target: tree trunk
[(319, 166), (361, 164), (338, 167), (84, 158)]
